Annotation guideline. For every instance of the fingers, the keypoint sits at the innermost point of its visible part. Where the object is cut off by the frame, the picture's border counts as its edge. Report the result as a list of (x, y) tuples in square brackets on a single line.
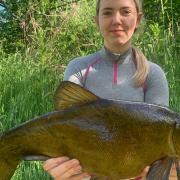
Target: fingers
[(142, 175), (64, 169), (72, 171), (145, 171), (81, 176), (173, 174), (53, 162)]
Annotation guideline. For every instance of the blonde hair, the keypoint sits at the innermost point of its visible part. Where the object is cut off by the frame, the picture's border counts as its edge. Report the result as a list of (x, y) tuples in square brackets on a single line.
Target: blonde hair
[(141, 63)]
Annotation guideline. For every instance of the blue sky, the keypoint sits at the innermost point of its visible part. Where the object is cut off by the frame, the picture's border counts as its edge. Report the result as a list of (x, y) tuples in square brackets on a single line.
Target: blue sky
[(1, 8)]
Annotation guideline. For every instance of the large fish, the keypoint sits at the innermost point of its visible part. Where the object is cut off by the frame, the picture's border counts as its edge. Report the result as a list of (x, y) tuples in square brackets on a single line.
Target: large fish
[(115, 139)]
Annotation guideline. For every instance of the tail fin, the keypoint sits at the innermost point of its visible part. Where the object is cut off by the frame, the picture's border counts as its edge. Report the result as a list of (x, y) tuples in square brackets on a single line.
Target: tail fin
[(8, 160), (7, 168), (160, 170)]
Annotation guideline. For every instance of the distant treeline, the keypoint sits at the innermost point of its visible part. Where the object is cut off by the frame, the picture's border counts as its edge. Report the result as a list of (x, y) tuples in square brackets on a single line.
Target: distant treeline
[(28, 22)]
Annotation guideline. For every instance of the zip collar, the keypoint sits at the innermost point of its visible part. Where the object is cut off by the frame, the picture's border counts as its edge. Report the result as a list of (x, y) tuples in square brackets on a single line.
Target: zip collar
[(115, 57)]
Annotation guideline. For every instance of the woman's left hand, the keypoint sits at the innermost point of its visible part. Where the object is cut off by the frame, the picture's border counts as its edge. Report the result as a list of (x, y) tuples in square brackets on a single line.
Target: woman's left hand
[(173, 175)]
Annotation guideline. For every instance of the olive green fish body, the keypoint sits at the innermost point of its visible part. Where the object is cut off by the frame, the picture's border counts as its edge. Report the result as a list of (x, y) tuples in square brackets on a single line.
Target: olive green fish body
[(110, 138)]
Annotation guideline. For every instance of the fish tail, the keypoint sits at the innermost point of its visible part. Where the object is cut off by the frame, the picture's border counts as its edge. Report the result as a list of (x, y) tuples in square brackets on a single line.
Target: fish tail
[(160, 170), (8, 160)]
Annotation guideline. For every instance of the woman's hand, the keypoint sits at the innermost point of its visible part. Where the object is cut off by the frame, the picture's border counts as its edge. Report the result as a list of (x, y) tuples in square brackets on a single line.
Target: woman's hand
[(173, 175), (62, 168), (143, 174)]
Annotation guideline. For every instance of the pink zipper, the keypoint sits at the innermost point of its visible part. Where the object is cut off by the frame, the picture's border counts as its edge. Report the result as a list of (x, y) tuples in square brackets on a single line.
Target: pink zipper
[(115, 80)]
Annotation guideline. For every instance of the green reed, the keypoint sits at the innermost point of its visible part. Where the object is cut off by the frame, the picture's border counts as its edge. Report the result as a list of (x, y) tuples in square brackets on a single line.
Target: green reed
[(28, 80)]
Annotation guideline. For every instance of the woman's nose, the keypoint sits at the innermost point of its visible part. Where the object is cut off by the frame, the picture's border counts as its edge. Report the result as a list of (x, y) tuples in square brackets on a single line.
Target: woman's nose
[(117, 18)]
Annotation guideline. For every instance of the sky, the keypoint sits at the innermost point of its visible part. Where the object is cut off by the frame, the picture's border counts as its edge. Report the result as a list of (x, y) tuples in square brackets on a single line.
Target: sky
[(1, 8)]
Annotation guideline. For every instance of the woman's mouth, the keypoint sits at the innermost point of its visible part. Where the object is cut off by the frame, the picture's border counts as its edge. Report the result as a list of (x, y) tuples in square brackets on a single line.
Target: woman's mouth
[(117, 31)]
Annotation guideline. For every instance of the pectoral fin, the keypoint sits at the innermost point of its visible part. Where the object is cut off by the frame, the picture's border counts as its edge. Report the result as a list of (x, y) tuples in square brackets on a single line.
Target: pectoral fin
[(36, 158), (160, 170)]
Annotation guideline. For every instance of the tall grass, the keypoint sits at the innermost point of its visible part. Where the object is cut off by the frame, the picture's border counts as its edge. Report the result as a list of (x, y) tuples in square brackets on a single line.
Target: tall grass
[(28, 80), (26, 91)]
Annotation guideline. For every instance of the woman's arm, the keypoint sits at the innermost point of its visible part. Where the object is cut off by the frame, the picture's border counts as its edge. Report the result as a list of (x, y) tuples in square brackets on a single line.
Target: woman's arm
[(157, 91), (74, 71)]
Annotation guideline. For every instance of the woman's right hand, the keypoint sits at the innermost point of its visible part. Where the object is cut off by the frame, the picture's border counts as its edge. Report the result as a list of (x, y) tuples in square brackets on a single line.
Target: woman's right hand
[(62, 168)]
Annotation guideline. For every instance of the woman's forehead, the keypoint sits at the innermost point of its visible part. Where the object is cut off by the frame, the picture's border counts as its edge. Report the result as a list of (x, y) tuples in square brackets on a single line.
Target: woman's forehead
[(117, 4)]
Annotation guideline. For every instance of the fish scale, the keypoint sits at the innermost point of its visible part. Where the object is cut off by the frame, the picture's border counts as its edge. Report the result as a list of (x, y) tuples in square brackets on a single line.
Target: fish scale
[(112, 139)]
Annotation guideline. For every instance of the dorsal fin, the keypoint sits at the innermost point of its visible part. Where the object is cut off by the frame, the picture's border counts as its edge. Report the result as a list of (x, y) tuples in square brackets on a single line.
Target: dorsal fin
[(69, 94)]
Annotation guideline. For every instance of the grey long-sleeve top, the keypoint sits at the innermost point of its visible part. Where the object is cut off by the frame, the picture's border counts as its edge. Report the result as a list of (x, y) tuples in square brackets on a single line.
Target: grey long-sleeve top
[(110, 76)]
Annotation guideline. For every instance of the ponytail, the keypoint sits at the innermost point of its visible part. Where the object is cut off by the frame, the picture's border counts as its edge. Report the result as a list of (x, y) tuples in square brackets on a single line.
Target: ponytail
[(142, 67)]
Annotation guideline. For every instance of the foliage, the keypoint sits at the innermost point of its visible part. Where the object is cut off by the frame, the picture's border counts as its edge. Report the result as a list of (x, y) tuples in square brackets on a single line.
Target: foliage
[(32, 22), (39, 38)]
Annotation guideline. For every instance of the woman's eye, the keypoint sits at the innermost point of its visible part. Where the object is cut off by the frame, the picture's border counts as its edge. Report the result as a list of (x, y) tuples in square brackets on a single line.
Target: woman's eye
[(126, 13), (107, 13)]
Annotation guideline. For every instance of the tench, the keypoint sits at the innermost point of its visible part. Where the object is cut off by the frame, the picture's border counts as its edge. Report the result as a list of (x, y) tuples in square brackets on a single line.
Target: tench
[(114, 139)]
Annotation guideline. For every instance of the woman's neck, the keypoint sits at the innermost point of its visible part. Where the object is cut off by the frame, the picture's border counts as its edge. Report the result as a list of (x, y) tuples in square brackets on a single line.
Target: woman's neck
[(118, 49)]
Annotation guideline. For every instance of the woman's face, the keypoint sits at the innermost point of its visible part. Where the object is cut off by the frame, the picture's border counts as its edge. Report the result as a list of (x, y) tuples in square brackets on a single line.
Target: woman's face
[(117, 21)]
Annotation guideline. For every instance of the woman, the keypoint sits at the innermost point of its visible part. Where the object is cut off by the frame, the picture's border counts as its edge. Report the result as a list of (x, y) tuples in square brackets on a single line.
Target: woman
[(117, 71)]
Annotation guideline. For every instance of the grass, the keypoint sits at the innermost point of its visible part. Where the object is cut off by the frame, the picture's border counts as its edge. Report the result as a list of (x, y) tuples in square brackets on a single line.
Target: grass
[(28, 80), (30, 171), (26, 91)]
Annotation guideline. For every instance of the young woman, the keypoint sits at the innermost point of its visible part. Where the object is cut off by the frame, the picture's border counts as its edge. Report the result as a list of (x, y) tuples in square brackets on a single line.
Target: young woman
[(117, 71)]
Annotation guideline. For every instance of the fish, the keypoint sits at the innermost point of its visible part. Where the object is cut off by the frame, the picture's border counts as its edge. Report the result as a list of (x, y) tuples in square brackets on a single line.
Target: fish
[(113, 139)]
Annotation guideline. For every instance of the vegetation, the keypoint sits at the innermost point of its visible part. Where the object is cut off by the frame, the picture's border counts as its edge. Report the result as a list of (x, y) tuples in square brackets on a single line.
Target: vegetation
[(39, 38)]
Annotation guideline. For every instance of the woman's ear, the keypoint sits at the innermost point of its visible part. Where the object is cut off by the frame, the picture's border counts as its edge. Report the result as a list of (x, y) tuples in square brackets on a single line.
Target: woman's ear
[(139, 18)]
